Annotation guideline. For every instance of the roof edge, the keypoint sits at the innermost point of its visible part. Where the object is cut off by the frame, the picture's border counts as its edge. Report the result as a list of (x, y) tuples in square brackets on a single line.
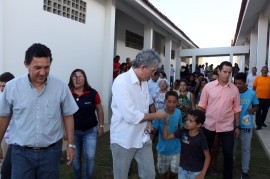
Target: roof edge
[(168, 20), (240, 19)]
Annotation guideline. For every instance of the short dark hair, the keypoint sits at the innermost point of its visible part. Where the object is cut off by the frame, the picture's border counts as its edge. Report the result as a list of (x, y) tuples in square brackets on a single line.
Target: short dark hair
[(200, 74), (184, 80), (224, 63), (37, 50), (171, 93), (5, 77), (86, 84), (199, 116), (241, 76)]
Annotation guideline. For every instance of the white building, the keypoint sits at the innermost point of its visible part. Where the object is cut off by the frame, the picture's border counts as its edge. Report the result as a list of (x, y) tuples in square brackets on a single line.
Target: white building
[(253, 30), (87, 34)]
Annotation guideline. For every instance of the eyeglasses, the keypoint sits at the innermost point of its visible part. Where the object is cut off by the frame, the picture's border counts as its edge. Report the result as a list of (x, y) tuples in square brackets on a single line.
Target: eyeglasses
[(77, 77)]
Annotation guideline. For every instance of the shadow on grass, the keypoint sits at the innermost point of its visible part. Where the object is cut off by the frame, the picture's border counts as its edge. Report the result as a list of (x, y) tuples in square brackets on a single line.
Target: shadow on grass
[(259, 163)]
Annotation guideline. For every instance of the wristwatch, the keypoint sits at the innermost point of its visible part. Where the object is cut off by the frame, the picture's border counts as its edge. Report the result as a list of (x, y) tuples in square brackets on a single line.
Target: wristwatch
[(71, 146), (237, 127), (101, 126)]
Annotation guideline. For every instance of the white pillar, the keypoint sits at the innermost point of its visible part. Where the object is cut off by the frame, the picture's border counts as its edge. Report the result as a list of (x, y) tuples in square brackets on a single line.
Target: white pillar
[(262, 41), (148, 35), (108, 55), (241, 63), (178, 62), (193, 63), (231, 58), (167, 63), (268, 60), (253, 50), (1, 37)]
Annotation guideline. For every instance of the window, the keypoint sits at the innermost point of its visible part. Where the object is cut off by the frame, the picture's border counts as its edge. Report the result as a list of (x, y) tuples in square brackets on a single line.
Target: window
[(72, 9), (134, 40)]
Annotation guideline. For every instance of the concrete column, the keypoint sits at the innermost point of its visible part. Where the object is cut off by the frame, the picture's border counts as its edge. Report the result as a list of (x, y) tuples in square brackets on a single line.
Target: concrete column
[(1, 37), (108, 55), (167, 63), (253, 50), (262, 41), (148, 35), (241, 63), (194, 59), (268, 60), (231, 58), (178, 63)]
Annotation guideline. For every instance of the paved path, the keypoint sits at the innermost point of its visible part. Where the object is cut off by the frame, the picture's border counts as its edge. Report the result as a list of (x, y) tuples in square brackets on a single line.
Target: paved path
[(264, 136)]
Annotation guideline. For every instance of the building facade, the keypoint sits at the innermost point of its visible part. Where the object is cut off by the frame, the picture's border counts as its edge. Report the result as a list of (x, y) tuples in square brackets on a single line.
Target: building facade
[(87, 34)]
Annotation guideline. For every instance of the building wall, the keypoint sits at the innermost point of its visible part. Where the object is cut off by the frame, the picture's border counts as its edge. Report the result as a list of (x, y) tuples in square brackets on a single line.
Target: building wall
[(123, 23), (73, 44)]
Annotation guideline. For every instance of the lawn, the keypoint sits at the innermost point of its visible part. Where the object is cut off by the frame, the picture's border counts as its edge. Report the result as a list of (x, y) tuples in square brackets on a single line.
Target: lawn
[(259, 164)]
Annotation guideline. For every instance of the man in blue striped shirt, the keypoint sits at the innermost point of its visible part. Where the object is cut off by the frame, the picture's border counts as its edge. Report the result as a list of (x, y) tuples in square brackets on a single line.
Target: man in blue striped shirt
[(39, 107)]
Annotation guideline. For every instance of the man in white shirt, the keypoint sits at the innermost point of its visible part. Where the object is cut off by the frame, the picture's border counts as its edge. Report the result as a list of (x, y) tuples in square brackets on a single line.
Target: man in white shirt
[(130, 104), (251, 77)]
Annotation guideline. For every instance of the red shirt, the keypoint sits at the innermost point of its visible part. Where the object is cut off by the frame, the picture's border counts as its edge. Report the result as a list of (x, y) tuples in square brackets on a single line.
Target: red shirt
[(115, 66)]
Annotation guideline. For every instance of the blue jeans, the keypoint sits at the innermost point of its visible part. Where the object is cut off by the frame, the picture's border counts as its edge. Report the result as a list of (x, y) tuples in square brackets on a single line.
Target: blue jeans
[(86, 141), (122, 158), (36, 164), (245, 137), (184, 174), (6, 165)]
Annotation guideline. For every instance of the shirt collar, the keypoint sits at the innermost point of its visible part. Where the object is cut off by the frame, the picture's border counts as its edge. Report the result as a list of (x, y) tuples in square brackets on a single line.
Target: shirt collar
[(28, 80), (217, 83), (133, 76)]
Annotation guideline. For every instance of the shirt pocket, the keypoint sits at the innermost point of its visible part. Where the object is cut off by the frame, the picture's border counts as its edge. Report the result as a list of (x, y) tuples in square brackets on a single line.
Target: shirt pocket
[(52, 108)]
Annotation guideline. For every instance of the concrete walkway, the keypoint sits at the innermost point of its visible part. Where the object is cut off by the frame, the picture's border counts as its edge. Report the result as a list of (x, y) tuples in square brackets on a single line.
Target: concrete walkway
[(264, 136)]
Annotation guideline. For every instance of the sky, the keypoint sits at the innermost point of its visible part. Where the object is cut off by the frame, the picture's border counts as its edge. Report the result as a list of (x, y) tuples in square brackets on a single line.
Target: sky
[(208, 23)]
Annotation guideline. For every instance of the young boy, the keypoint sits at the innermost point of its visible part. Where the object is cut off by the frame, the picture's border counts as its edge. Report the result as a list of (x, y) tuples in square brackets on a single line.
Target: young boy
[(249, 104), (195, 157), (169, 150)]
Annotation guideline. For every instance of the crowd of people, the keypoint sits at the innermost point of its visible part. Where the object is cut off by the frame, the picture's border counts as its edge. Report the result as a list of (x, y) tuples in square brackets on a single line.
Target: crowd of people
[(204, 110), (192, 116)]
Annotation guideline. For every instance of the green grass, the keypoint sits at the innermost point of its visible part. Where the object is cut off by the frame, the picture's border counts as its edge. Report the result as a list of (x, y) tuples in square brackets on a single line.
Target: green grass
[(259, 164)]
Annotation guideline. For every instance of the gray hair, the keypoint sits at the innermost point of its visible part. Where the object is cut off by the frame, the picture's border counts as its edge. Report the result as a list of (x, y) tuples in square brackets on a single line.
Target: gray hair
[(147, 57)]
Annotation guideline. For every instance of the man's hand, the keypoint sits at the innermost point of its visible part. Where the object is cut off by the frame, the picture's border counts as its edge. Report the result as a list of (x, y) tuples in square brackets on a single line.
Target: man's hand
[(237, 132), (100, 131), (200, 176), (160, 114), (70, 155), (149, 127), (251, 111)]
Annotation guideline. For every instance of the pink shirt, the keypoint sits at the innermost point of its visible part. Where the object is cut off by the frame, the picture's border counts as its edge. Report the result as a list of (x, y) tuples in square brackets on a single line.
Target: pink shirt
[(220, 104)]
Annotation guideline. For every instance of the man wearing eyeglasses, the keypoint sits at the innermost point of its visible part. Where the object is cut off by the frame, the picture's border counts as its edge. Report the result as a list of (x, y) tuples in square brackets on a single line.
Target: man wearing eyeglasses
[(130, 117)]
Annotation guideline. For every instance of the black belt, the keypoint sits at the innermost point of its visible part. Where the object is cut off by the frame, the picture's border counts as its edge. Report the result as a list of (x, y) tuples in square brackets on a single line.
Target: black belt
[(246, 129), (39, 148)]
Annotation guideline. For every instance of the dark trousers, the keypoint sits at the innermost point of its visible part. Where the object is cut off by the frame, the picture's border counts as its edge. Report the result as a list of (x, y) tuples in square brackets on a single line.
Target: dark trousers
[(171, 80), (227, 142), (262, 111), (6, 165)]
